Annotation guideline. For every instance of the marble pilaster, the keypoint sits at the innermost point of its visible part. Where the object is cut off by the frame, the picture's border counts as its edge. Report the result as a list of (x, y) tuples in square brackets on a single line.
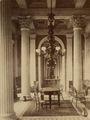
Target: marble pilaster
[(63, 80), (39, 71), (16, 56), (32, 59), (69, 60), (86, 63)]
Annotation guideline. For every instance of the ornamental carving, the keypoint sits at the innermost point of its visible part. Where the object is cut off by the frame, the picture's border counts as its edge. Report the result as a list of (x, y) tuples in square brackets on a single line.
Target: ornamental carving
[(78, 21), (25, 21)]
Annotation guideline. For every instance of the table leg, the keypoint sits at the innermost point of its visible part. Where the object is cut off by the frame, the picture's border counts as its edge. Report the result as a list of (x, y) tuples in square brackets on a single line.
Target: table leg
[(50, 100), (59, 99)]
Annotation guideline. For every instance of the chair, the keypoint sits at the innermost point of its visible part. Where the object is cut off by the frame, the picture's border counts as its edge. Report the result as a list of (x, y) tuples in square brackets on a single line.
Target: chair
[(39, 99), (81, 97), (61, 92), (86, 86), (36, 85), (78, 96)]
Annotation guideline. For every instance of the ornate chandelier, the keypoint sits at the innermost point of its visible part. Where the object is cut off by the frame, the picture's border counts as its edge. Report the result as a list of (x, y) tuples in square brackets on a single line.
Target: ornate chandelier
[(51, 48)]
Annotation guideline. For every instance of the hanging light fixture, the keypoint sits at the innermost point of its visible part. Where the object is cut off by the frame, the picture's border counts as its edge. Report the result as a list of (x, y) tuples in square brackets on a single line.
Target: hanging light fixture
[(51, 47)]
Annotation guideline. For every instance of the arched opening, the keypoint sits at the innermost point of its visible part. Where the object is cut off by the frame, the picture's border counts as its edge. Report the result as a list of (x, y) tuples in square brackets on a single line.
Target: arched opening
[(57, 71)]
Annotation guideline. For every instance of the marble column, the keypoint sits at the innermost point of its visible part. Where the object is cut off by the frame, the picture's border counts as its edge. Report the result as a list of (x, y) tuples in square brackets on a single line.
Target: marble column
[(32, 59), (78, 24), (69, 60), (25, 86), (6, 63)]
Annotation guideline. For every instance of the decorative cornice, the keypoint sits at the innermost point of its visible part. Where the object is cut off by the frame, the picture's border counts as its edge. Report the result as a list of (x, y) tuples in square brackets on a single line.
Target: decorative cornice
[(25, 22), (57, 11), (78, 21)]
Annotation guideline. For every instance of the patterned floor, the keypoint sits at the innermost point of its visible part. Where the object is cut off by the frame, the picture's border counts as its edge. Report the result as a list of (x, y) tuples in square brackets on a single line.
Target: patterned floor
[(20, 108), (56, 118), (66, 109)]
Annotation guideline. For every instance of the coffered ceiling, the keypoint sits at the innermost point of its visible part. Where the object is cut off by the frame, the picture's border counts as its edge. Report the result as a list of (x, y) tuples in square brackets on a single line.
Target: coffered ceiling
[(39, 9), (65, 4), (56, 3)]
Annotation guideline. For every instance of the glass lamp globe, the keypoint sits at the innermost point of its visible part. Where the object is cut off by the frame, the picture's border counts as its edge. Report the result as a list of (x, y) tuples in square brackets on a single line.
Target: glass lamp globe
[(57, 48), (38, 50), (43, 48)]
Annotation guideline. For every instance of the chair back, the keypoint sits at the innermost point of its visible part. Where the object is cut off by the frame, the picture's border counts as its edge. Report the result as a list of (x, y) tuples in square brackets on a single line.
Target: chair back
[(36, 96), (36, 86)]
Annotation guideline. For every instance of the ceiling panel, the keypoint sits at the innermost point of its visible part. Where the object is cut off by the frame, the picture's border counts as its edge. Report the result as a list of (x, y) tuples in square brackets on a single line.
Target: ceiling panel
[(37, 3), (65, 4), (14, 4), (87, 4)]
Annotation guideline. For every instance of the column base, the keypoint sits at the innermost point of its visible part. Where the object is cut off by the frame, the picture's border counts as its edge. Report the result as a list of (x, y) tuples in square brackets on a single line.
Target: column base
[(26, 98), (11, 116)]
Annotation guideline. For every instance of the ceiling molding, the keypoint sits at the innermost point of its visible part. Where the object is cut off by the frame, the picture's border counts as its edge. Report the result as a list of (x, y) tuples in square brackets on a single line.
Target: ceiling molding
[(22, 3), (49, 3), (79, 3), (44, 12), (46, 17), (56, 32)]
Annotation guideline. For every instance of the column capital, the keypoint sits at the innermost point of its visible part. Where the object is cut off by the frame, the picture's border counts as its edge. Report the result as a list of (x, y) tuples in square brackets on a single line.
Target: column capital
[(78, 21), (25, 22), (87, 36), (69, 35), (32, 36)]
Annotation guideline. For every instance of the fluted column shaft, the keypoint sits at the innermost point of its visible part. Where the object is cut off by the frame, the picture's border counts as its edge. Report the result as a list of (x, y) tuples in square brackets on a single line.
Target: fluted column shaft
[(6, 63), (25, 86), (77, 59), (32, 59), (78, 23)]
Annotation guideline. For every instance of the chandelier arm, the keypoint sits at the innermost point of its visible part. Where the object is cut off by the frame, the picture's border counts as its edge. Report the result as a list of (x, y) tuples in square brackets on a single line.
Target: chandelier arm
[(51, 6)]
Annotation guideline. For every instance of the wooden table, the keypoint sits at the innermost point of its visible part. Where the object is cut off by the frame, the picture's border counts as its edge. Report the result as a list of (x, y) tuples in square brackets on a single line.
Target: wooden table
[(51, 91)]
